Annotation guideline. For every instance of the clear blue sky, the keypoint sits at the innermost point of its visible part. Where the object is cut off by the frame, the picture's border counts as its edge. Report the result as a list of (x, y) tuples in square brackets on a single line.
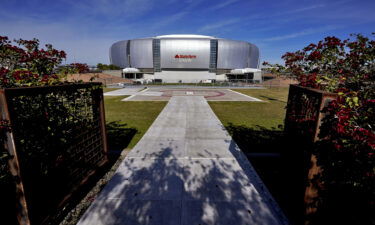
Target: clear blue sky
[(85, 29)]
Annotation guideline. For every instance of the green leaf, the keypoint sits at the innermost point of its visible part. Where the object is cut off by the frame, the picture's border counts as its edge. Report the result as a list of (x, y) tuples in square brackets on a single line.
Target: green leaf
[(355, 100)]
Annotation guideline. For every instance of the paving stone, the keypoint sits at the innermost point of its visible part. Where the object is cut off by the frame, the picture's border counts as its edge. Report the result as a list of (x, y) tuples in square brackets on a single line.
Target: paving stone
[(224, 213), (160, 147), (206, 133), (159, 212), (208, 148), (217, 180), (133, 212)]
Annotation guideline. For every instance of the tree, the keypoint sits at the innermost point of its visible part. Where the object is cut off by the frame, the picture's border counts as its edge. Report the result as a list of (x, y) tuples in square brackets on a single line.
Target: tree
[(27, 64), (346, 152), (101, 66)]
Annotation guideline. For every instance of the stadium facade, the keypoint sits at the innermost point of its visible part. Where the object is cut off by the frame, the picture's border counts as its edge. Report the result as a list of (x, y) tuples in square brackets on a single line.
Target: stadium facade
[(186, 59)]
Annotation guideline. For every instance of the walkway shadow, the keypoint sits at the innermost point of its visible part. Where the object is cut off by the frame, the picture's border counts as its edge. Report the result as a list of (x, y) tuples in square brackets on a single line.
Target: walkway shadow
[(118, 137), (279, 162), (258, 139), (272, 99), (151, 191)]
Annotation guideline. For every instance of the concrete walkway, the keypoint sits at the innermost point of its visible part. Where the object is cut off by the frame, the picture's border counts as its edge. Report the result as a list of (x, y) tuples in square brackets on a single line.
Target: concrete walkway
[(185, 170)]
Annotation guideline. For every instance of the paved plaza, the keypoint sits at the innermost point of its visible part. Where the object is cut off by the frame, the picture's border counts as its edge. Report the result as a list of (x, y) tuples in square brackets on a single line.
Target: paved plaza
[(165, 94), (186, 170), (124, 91)]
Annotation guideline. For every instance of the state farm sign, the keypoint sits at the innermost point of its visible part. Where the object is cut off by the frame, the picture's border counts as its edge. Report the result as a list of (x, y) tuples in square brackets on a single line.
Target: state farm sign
[(185, 58)]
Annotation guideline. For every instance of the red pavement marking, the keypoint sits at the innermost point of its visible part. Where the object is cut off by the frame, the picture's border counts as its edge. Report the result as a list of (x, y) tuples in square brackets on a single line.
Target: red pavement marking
[(169, 93)]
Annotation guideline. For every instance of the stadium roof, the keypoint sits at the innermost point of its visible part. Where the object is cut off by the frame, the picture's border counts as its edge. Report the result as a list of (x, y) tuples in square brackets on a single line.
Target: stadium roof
[(185, 36)]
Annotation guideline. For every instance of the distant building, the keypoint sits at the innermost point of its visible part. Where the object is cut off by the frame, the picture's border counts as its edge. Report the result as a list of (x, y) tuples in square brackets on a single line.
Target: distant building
[(186, 59)]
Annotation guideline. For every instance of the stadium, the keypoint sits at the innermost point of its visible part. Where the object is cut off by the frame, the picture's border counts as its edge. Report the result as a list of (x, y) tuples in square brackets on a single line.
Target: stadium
[(186, 59)]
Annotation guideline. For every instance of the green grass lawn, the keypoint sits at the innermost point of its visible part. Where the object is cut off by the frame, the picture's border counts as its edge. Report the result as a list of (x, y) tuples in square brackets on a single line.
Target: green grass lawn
[(267, 114), (136, 115), (266, 94), (255, 126)]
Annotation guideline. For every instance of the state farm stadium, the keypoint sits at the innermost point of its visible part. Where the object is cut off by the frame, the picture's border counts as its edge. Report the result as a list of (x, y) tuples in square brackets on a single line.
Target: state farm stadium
[(186, 59)]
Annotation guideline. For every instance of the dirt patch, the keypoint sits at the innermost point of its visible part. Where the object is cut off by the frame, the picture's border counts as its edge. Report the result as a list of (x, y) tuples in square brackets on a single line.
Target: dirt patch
[(279, 82), (97, 77)]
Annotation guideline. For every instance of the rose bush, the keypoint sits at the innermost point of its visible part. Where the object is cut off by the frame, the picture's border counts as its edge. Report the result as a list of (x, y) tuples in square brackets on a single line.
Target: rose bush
[(27, 64), (347, 139), (80, 67), (24, 64), (48, 123)]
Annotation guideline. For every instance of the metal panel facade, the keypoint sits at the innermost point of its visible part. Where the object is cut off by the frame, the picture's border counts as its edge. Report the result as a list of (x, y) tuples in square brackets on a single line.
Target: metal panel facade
[(141, 53), (233, 54), (195, 53), (184, 53), (254, 56), (117, 54)]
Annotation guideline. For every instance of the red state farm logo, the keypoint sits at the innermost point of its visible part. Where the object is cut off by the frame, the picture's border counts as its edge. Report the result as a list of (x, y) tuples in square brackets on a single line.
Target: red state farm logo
[(185, 56)]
